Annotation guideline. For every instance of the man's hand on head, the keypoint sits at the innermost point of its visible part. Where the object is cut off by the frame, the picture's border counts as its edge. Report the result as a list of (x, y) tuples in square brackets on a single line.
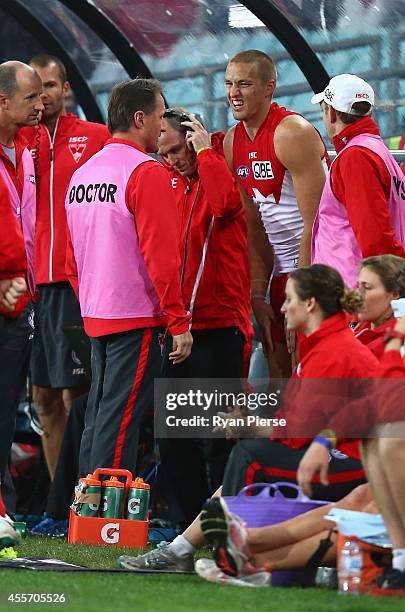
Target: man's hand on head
[(197, 136)]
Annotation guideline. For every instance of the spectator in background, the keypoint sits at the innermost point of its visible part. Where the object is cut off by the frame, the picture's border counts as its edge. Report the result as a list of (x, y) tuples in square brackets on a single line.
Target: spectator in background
[(215, 286), (123, 260), (20, 105), (362, 210), (59, 145)]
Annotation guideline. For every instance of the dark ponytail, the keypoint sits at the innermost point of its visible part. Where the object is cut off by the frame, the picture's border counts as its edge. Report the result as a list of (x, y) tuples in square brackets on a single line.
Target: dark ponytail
[(326, 285)]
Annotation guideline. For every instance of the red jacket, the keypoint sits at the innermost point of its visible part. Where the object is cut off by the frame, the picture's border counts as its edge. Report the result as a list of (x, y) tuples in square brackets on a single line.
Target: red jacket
[(13, 258), (330, 358), (74, 141), (211, 217), (374, 338), (356, 176)]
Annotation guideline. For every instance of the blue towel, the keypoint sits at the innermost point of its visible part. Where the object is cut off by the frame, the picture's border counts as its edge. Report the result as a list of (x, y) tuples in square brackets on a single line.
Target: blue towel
[(367, 527)]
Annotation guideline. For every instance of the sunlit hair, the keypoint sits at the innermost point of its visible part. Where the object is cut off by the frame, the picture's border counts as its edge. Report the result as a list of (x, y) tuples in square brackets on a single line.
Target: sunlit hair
[(326, 285), (129, 97), (43, 60), (390, 269), (266, 67), (8, 79)]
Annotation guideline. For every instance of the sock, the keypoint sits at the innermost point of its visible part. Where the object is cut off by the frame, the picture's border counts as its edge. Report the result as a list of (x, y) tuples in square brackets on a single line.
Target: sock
[(398, 559), (181, 547)]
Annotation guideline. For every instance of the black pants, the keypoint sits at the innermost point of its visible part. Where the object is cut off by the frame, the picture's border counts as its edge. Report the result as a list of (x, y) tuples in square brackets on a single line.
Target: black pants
[(67, 470), (15, 347), (194, 467), (123, 368), (264, 460)]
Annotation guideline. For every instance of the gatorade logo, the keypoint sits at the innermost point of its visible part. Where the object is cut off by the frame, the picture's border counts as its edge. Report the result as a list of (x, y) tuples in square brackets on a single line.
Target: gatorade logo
[(134, 505), (262, 170), (110, 533)]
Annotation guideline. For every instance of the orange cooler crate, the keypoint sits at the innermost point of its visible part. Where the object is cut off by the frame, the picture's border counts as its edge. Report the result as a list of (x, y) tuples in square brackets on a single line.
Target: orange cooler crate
[(100, 531)]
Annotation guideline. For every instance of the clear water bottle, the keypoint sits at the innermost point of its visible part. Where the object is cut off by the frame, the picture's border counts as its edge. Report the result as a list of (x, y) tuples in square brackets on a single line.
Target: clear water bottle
[(350, 567)]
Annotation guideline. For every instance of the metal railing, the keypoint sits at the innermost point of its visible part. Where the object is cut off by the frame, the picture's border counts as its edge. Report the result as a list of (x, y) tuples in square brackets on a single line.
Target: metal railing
[(398, 154)]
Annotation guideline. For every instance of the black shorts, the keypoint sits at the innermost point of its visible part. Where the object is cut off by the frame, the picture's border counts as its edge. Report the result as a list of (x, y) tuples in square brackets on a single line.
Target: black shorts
[(54, 363), (262, 460)]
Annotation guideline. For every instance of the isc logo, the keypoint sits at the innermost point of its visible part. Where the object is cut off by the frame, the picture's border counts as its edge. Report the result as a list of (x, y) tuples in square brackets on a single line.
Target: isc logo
[(262, 170), (243, 171), (78, 138)]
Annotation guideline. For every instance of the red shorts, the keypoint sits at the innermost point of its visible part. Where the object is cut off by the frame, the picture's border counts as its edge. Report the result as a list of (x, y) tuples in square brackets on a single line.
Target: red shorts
[(277, 297)]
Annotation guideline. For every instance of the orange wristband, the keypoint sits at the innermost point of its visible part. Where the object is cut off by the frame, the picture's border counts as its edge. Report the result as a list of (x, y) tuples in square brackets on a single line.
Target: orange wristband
[(202, 149)]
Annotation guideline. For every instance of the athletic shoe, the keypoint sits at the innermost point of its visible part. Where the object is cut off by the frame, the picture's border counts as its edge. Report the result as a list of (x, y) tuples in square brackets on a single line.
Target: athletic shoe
[(59, 530), (207, 569), (30, 520), (44, 527), (9, 536), (390, 583), (160, 559), (157, 535), (8, 553), (227, 533)]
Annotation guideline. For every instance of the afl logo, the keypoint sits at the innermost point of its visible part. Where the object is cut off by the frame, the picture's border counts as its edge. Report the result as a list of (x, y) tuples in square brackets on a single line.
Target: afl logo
[(243, 171)]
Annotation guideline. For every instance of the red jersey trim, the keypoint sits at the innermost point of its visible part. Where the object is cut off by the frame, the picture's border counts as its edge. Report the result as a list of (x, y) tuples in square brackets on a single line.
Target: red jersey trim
[(103, 327)]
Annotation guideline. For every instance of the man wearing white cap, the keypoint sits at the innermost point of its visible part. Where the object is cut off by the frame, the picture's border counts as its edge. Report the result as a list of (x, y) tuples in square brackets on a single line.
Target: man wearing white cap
[(362, 209)]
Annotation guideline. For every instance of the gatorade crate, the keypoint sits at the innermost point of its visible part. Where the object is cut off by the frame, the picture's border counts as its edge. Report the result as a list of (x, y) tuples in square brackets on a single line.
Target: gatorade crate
[(112, 531), (100, 531)]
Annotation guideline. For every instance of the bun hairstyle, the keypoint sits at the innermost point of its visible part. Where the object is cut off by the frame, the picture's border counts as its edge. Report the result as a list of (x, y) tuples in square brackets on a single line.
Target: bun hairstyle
[(326, 285), (391, 271)]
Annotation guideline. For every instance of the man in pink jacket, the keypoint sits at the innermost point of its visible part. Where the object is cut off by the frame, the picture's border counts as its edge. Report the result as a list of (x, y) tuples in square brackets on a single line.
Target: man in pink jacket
[(124, 263)]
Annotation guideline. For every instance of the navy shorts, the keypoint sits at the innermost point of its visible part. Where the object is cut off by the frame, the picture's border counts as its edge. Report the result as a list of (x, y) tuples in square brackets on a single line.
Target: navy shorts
[(54, 363)]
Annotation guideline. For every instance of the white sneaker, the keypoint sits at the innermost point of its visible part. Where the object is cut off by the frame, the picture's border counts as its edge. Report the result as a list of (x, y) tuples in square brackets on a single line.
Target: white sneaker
[(227, 533), (207, 569), (9, 536)]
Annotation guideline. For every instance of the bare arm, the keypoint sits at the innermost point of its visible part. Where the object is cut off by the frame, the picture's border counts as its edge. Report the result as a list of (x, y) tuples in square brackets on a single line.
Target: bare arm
[(260, 256), (300, 149)]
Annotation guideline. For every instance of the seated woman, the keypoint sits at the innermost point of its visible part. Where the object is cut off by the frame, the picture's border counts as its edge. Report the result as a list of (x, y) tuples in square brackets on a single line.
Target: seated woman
[(381, 280), (316, 304)]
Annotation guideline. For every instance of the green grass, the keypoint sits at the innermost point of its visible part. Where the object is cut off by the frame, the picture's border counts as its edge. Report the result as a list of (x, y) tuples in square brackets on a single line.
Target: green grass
[(90, 592)]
